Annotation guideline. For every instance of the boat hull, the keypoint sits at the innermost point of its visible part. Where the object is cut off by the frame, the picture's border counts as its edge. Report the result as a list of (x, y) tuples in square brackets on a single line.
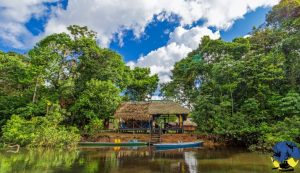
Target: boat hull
[(113, 144), (179, 145)]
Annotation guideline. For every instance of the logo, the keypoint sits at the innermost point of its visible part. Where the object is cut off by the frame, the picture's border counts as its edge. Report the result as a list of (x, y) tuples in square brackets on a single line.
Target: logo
[(286, 156)]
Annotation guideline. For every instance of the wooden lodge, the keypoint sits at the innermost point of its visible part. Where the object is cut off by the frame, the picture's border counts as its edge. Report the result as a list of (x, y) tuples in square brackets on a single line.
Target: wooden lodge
[(147, 117)]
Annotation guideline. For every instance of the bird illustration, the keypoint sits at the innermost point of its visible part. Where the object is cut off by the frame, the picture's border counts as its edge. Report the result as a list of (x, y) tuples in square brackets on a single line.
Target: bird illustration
[(286, 156)]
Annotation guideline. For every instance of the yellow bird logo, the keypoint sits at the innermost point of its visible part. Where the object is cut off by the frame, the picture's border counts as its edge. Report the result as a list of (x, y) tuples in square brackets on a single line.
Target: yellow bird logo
[(286, 156), (291, 164)]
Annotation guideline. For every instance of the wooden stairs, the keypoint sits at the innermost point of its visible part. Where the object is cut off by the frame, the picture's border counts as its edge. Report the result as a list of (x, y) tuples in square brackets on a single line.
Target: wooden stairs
[(155, 136)]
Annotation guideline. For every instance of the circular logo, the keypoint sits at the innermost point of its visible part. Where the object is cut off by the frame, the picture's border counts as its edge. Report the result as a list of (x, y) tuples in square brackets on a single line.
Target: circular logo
[(286, 155)]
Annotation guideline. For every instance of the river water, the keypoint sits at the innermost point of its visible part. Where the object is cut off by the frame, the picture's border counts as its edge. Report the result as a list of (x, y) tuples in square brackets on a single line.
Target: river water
[(139, 160)]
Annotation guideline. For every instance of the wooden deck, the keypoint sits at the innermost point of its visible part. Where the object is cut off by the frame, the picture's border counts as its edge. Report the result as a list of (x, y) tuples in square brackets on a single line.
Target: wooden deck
[(148, 130)]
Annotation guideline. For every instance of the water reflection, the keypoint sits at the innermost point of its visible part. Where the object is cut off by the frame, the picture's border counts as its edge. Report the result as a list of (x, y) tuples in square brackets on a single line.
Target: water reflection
[(131, 160), (36, 160), (191, 161)]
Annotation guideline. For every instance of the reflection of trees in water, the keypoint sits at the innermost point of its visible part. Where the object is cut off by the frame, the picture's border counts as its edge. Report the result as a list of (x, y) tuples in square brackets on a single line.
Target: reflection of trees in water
[(240, 162), (218, 153), (127, 160), (106, 160), (109, 159), (38, 160)]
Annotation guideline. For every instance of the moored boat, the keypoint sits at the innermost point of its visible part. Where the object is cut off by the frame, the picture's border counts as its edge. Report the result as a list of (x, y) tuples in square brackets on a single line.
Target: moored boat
[(179, 145)]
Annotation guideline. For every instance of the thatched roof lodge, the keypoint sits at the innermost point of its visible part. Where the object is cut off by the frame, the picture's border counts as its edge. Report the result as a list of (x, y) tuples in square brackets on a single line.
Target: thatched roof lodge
[(143, 115), (145, 110)]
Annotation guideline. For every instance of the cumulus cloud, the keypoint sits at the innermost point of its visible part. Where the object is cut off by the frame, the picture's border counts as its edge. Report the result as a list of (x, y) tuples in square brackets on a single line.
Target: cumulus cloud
[(14, 14), (191, 37), (222, 13), (161, 61), (111, 17)]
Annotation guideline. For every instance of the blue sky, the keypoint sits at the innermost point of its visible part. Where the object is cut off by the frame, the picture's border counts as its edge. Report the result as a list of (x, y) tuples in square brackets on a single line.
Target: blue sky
[(153, 34)]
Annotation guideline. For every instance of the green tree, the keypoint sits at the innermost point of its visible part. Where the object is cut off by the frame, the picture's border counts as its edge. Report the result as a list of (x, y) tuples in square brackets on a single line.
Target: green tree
[(16, 83), (142, 85), (98, 101)]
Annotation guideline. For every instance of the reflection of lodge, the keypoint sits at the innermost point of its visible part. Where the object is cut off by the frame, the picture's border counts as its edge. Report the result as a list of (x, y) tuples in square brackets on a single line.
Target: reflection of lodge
[(144, 159), (139, 152), (151, 116)]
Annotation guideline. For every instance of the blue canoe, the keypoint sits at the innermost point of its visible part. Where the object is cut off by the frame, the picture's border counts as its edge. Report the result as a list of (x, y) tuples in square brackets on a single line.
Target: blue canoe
[(179, 145)]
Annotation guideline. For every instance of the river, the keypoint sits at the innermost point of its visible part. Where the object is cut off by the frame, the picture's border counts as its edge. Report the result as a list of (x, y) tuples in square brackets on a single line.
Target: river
[(131, 160)]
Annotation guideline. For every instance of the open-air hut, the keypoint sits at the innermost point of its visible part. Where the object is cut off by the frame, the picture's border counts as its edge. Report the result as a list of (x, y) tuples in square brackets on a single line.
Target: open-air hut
[(148, 116), (189, 125)]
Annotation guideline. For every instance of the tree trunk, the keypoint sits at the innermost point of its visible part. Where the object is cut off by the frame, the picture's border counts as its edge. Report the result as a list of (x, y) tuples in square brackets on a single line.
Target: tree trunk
[(35, 91), (106, 123), (231, 102)]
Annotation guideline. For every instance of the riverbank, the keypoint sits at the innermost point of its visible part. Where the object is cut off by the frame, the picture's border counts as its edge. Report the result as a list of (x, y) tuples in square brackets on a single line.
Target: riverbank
[(165, 138)]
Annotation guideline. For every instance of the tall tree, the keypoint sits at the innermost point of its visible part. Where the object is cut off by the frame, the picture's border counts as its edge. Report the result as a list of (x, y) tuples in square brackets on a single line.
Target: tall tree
[(142, 85), (99, 100), (16, 83)]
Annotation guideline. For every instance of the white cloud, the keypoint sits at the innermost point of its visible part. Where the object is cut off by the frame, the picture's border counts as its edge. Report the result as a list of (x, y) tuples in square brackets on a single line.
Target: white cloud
[(191, 37), (161, 61), (247, 36), (222, 13), (110, 17), (106, 17), (14, 14)]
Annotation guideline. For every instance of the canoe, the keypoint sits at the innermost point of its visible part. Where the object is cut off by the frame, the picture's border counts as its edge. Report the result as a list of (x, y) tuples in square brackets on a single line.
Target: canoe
[(179, 145), (112, 144)]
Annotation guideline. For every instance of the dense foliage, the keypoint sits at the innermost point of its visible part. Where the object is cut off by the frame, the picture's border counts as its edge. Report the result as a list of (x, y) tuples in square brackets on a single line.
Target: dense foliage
[(72, 72), (40, 131), (141, 85), (246, 90)]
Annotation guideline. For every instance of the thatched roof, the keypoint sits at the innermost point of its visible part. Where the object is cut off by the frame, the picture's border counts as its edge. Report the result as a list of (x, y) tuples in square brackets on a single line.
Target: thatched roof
[(136, 111), (188, 122), (145, 110)]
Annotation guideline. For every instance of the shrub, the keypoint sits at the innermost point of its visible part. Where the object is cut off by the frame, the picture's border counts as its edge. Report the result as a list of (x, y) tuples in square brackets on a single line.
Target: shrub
[(17, 130), (40, 131), (94, 126), (286, 130)]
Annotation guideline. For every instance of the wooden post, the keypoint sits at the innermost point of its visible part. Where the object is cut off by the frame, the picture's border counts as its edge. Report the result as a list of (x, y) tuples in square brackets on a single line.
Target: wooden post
[(180, 120), (149, 121), (182, 129), (119, 125), (180, 123), (133, 126)]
